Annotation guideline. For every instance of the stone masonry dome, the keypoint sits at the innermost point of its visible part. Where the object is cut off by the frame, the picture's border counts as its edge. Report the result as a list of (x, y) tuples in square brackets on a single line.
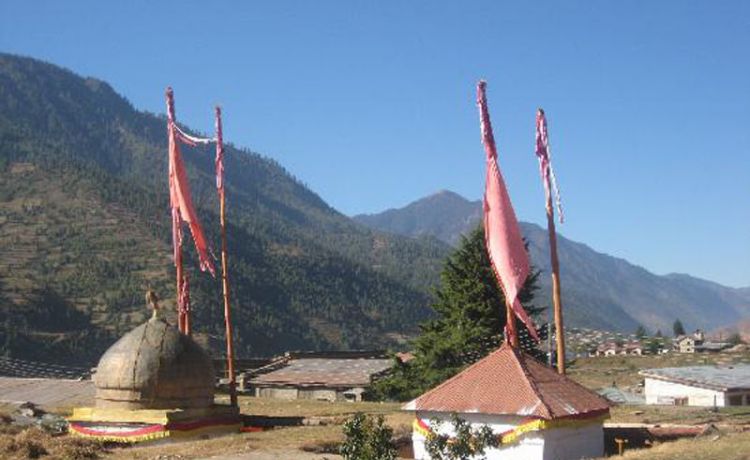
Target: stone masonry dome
[(154, 366)]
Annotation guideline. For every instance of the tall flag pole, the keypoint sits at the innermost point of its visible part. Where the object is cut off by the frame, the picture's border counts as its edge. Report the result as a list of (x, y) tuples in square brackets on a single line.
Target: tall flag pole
[(183, 210), (224, 275), (550, 186), (503, 239)]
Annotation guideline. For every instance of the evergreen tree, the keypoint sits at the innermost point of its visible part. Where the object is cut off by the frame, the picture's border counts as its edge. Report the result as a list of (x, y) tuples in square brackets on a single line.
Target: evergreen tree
[(640, 331), (469, 322), (677, 328)]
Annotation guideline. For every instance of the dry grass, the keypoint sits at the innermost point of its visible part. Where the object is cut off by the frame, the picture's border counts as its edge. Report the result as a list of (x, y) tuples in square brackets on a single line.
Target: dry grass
[(282, 439), (17, 443), (727, 447), (734, 416), (294, 439)]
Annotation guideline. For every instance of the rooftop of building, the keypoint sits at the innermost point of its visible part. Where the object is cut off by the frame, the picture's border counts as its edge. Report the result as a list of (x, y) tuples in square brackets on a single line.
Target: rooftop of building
[(720, 378), (510, 382), (332, 372)]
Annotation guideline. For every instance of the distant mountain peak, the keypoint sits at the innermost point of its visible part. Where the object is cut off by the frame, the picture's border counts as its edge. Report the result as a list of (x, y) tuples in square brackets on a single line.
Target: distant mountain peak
[(599, 290), (444, 194)]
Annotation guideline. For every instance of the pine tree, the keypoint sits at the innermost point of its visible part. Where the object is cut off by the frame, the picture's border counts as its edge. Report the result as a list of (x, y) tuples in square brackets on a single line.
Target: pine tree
[(677, 328), (469, 322)]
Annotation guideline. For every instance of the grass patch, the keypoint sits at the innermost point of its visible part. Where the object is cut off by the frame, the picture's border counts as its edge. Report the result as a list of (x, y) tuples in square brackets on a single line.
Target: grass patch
[(16, 443), (727, 447)]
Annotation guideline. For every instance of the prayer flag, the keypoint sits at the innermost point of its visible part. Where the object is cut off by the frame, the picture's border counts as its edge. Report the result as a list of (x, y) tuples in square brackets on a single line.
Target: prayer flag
[(179, 192), (545, 163), (502, 235)]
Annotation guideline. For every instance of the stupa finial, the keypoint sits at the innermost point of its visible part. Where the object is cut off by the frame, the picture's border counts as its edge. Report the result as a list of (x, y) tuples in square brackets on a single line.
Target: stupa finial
[(153, 302)]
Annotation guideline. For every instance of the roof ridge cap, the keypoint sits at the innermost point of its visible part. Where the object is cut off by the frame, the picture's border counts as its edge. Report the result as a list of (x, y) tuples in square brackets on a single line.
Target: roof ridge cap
[(521, 360), (587, 390)]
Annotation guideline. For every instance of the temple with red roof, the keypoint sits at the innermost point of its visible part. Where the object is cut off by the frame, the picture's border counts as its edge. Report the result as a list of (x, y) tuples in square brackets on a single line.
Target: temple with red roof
[(536, 412)]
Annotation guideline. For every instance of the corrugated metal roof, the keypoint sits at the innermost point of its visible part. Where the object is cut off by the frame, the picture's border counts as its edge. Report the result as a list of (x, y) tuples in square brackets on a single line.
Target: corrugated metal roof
[(326, 372), (620, 396), (720, 378), (510, 382)]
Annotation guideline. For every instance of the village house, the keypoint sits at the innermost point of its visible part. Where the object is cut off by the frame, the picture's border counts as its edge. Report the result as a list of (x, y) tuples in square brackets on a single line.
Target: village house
[(696, 343), (684, 344), (328, 376), (536, 413), (606, 349), (632, 348), (711, 386), (613, 349)]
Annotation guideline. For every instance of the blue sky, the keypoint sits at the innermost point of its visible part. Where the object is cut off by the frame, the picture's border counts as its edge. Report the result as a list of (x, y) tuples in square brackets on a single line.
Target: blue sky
[(372, 103)]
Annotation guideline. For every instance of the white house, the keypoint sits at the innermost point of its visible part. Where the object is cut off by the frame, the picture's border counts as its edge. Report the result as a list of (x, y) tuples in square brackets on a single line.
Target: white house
[(536, 413), (684, 344), (698, 385)]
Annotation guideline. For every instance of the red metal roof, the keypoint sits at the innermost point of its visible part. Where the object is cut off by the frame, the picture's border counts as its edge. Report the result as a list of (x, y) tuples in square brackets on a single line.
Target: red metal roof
[(510, 382)]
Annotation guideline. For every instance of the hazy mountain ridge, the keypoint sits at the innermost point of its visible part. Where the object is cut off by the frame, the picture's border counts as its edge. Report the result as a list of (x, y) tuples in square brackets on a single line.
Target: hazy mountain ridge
[(599, 290), (302, 274), (457, 216)]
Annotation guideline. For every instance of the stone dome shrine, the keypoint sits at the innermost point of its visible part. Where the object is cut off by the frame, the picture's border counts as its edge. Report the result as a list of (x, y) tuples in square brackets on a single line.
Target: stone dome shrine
[(154, 383), (154, 366)]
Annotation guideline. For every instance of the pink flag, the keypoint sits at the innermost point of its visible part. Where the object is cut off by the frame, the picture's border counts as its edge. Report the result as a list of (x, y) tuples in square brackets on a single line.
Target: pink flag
[(502, 235), (545, 163), (179, 194)]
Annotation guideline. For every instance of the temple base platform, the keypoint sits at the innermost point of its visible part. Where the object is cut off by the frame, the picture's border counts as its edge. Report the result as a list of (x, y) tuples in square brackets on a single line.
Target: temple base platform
[(149, 425)]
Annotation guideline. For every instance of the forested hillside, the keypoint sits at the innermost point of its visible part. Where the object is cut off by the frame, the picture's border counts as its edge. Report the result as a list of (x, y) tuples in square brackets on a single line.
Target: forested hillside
[(84, 223)]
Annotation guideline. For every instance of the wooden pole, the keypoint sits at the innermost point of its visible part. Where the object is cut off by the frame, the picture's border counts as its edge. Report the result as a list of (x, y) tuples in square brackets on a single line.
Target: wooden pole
[(510, 319), (185, 298), (549, 339), (224, 265), (557, 302), (181, 319)]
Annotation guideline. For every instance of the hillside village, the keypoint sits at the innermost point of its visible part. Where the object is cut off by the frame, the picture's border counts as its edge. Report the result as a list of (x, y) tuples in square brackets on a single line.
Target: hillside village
[(591, 342)]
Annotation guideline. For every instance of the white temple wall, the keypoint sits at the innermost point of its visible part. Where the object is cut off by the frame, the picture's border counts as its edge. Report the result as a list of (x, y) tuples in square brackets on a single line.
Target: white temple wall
[(554, 444), (586, 441), (661, 392)]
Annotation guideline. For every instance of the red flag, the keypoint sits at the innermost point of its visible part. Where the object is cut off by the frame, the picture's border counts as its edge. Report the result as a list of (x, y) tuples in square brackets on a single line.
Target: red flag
[(545, 163), (502, 235), (179, 194)]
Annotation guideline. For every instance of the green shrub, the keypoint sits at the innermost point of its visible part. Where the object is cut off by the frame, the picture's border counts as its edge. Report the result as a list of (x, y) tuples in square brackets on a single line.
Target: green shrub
[(367, 438), (467, 444)]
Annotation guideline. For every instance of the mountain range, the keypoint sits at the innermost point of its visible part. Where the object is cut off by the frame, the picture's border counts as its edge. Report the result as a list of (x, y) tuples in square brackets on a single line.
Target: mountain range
[(85, 231), (599, 291)]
